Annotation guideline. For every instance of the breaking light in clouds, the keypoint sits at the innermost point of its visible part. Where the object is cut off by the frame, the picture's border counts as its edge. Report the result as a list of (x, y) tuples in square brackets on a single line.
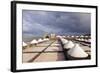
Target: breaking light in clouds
[(37, 23)]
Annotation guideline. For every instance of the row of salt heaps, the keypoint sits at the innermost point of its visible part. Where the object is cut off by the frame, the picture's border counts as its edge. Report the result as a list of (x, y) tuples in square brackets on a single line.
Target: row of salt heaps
[(74, 49), (34, 41), (84, 40), (81, 36)]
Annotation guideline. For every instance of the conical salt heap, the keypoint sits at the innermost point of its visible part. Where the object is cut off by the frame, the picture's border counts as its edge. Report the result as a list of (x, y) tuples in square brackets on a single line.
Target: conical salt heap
[(82, 39), (40, 40), (79, 39), (77, 52), (34, 41), (45, 39), (24, 44), (85, 40), (68, 45), (64, 41), (89, 40)]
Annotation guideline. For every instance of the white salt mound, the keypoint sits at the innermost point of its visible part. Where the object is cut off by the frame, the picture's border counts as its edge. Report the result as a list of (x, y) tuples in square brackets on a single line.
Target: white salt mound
[(82, 36), (79, 39), (24, 44), (45, 39), (77, 52), (82, 40), (64, 41), (34, 41), (85, 40), (68, 45), (40, 40)]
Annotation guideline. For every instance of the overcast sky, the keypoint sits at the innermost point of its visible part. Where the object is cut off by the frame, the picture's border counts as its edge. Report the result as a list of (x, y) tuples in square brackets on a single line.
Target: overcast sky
[(36, 23)]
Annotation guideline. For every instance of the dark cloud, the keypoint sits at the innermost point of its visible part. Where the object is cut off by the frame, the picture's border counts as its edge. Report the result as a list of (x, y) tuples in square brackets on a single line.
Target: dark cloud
[(39, 22)]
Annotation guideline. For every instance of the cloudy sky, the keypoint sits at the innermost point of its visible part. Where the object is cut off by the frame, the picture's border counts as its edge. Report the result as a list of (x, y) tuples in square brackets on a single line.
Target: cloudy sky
[(36, 23)]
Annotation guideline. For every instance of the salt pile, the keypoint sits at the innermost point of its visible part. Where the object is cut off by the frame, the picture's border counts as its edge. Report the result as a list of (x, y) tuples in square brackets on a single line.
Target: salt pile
[(34, 41), (81, 36), (85, 40), (89, 40), (79, 39), (40, 40), (24, 44), (86, 36), (45, 39), (64, 41), (77, 52), (77, 36), (82, 39), (70, 44), (72, 36)]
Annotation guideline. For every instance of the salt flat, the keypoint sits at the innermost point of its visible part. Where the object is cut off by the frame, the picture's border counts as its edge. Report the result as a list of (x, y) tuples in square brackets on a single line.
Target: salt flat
[(47, 51), (45, 57), (28, 56)]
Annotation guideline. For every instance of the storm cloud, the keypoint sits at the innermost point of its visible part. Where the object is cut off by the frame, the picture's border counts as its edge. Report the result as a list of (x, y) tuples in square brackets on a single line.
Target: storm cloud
[(38, 23)]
